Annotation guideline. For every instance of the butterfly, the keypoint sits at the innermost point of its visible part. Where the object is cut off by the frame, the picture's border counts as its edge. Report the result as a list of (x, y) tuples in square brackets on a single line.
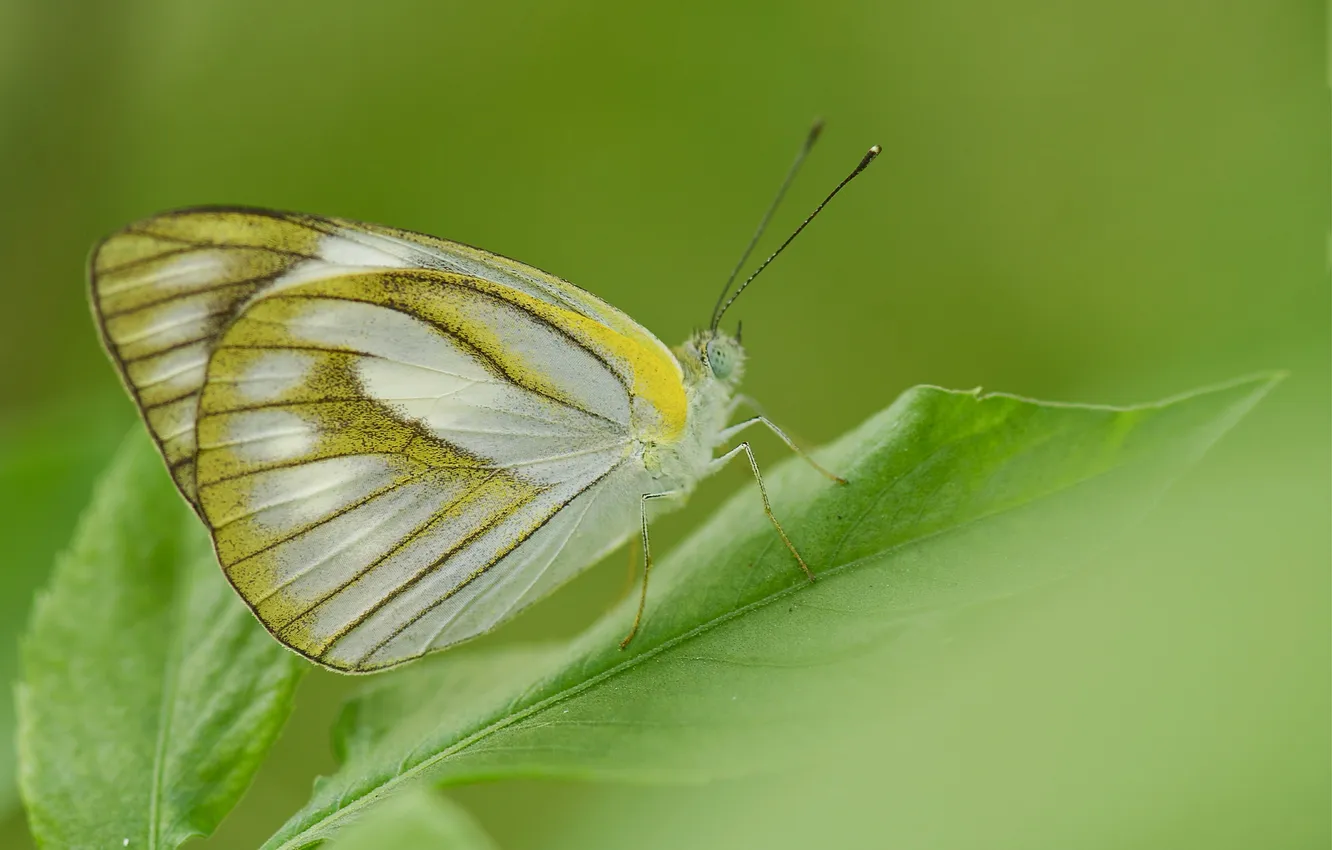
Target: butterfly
[(396, 441)]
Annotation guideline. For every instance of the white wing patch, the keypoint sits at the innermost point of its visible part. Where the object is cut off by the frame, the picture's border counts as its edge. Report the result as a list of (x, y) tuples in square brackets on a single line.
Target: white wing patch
[(180, 273), (287, 499), (268, 435), (273, 375)]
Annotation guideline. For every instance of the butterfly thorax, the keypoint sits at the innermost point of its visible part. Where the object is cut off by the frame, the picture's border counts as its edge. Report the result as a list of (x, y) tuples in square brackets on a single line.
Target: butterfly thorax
[(712, 364)]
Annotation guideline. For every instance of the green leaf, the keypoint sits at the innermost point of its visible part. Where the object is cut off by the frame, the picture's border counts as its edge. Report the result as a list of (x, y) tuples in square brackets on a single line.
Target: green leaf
[(150, 694), (420, 818), (48, 462), (954, 498)]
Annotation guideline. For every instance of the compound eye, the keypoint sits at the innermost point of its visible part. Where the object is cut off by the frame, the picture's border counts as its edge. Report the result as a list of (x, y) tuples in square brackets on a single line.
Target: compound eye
[(718, 360)]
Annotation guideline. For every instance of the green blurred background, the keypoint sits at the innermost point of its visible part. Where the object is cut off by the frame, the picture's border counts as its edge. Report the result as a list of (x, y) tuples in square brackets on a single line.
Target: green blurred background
[(1090, 201)]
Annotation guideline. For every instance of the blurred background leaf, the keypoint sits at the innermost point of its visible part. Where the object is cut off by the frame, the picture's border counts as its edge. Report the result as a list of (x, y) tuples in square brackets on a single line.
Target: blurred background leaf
[(1090, 202)]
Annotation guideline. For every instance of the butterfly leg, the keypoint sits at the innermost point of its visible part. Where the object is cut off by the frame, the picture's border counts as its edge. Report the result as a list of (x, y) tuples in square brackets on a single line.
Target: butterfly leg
[(647, 560), (763, 491), (727, 433)]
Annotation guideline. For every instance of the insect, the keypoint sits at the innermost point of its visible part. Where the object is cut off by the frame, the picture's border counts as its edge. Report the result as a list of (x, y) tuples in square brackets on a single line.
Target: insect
[(397, 441)]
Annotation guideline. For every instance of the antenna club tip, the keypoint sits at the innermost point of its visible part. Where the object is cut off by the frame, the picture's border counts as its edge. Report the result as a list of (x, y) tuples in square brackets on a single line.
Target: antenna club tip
[(867, 159)]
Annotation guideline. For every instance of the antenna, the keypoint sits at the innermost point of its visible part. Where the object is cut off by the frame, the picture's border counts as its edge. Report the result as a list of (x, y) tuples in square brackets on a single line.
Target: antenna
[(810, 139), (864, 163)]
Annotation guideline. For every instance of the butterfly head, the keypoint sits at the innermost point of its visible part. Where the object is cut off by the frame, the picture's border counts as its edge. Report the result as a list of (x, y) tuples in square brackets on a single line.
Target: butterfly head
[(715, 355)]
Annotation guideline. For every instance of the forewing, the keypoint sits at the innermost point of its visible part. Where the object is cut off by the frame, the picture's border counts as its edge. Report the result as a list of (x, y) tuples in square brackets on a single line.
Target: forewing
[(373, 445)]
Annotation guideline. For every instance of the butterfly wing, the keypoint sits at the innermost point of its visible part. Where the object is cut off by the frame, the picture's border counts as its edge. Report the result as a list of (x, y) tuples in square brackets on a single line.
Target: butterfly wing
[(163, 289), (396, 441)]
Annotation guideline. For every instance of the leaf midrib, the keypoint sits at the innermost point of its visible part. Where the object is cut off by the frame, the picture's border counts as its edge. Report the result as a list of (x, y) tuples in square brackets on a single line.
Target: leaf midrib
[(166, 715)]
